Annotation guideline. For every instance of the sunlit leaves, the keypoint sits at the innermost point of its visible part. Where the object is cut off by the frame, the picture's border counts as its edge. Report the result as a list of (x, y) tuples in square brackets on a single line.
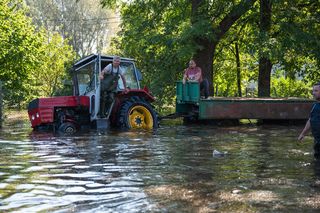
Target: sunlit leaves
[(27, 55), (162, 36), (152, 34), (85, 24), (56, 58), (18, 49), (292, 45)]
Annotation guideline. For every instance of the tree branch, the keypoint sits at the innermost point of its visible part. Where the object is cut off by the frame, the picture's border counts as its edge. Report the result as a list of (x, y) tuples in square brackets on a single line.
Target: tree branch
[(232, 17)]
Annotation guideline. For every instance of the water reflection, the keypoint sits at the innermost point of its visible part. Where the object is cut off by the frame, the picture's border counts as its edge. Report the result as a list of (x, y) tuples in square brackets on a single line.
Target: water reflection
[(172, 170)]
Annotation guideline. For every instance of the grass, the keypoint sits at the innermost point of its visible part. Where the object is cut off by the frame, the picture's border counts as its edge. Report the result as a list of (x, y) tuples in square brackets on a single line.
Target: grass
[(11, 116)]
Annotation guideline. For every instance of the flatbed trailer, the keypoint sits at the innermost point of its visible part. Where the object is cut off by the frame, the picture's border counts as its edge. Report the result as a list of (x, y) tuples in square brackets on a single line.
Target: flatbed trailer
[(190, 105)]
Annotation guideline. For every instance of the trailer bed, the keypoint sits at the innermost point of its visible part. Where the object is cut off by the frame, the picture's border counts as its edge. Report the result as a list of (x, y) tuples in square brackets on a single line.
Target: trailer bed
[(255, 108), (190, 104)]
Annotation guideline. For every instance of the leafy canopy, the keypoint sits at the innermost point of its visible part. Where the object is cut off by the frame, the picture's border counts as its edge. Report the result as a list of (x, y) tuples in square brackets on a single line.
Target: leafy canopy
[(28, 56)]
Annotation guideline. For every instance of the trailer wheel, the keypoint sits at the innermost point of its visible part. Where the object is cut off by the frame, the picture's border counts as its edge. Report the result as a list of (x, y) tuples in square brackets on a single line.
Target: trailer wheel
[(137, 113), (190, 119), (67, 128)]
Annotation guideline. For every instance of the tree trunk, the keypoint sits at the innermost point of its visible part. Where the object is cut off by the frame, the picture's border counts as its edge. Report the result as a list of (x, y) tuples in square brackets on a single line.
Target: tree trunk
[(265, 64), (205, 54), (204, 59), (238, 69)]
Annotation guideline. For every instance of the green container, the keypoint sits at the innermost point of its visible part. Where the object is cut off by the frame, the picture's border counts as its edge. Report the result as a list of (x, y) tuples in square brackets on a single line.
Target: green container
[(188, 92), (179, 91), (194, 91)]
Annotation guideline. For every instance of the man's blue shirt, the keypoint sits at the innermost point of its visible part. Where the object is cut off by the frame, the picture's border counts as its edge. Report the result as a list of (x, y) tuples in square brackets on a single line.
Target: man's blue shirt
[(315, 121)]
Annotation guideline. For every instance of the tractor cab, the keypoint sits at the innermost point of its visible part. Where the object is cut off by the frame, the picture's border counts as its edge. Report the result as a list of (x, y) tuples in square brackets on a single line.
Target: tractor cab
[(86, 80)]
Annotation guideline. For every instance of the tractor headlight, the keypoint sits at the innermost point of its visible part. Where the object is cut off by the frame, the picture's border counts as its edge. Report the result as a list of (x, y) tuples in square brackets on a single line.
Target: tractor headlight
[(37, 115), (32, 117)]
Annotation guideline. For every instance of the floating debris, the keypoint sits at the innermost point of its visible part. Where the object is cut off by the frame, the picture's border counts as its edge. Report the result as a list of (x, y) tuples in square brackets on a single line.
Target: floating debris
[(216, 153)]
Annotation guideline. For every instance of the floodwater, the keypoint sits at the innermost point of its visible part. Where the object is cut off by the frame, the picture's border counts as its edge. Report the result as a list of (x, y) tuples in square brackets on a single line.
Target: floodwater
[(175, 169)]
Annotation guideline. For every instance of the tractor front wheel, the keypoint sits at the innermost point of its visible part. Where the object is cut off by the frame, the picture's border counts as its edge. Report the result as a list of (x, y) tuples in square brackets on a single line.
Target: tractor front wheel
[(137, 113), (67, 128)]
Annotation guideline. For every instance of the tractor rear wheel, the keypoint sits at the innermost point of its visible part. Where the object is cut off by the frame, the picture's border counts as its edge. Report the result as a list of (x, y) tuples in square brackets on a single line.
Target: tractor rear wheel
[(136, 113)]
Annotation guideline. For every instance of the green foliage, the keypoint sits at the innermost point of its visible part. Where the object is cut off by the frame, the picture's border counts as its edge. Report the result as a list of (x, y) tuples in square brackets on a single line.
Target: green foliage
[(33, 62), (163, 35), (84, 23), (297, 34), (19, 50), (292, 46), (286, 87), (109, 3), (156, 39), (56, 59), (225, 78)]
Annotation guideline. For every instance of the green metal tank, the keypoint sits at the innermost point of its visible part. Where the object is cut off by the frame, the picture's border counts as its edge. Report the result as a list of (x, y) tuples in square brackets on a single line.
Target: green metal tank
[(188, 92)]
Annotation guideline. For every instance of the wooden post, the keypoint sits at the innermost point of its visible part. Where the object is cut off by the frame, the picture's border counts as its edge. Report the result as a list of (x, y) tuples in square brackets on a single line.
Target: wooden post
[(1, 105)]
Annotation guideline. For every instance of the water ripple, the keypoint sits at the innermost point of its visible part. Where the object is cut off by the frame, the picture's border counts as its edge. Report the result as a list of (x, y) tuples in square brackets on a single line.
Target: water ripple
[(172, 170)]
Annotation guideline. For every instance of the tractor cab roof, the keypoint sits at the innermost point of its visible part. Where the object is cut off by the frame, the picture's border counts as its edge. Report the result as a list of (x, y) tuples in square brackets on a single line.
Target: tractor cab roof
[(87, 59)]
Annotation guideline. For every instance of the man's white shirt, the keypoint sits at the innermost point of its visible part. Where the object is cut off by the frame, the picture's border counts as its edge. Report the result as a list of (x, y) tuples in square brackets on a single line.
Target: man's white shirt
[(109, 68)]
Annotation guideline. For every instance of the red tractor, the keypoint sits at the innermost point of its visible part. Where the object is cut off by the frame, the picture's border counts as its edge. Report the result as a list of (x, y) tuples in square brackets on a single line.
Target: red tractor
[(67, 114)]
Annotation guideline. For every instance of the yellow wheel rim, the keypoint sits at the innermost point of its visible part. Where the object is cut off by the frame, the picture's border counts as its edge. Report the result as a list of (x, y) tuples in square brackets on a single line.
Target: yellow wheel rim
[(140, 118)]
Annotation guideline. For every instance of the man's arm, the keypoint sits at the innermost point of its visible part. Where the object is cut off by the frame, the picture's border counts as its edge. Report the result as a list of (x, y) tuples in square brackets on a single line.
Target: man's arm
[(121, 73), (104, 71), (305, 130), (185, 76), (124, 81)]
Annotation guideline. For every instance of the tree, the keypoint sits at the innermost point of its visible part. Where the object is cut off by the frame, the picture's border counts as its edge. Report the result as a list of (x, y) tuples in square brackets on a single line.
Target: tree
[(163, 35), (201, 15), (56, 61), (84, 23), (237, 55), (20, 48), (32, 62), (296, 28), (289, 37), (265, 64)]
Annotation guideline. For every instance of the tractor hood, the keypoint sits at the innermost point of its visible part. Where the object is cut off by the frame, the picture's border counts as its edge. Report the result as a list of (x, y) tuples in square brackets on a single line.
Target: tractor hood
[(60, 101), (41, 110)]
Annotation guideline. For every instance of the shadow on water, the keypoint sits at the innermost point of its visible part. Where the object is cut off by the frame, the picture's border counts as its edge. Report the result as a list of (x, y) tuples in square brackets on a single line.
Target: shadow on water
[(174, 169)]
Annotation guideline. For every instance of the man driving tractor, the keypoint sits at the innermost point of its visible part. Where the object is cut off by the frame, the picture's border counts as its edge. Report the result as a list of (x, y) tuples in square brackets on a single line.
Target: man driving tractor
[(109, 77)]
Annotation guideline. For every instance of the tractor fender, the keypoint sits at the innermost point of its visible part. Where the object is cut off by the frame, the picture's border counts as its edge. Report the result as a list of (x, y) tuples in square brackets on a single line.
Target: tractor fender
[(142, 93)]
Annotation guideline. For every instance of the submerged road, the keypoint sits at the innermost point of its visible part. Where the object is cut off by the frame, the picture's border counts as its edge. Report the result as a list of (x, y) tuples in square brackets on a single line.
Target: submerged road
[(176, 169)]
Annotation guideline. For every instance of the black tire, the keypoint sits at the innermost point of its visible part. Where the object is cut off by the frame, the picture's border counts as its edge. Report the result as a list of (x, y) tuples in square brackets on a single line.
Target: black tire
[(190, 120), (136, 113), (67, 128)]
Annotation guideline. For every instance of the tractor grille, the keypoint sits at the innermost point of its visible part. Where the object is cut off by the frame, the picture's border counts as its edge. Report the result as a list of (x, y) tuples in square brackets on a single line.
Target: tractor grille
[(33, 104)]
